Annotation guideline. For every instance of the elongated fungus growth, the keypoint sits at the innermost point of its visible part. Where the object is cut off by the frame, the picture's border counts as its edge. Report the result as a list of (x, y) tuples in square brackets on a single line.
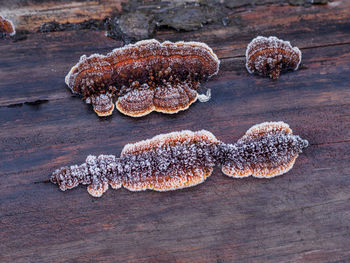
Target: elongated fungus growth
[(183, 159), (270, 56), (144, 77), (7, 27)]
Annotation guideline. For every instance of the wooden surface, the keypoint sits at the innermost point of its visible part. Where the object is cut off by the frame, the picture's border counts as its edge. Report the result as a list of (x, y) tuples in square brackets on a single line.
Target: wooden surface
[(303, 216), (30, 14)]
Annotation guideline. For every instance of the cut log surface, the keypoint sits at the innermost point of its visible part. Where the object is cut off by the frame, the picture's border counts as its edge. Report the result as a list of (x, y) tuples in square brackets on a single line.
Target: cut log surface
[(302, 216)]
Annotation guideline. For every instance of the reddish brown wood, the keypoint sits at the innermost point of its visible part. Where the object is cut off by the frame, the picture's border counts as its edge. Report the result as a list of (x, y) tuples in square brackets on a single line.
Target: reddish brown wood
[(29, 15)]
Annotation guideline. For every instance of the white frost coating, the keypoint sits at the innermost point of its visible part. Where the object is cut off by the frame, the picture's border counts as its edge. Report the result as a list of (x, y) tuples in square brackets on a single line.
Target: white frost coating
[(161, 139), (268, 149), (143, 98), (296, 49), (103, 104), (193, 63), (272, 126), (183, 159), (165, 98), (156, 43), (14, 29), (182, 179), (198, 44), (274, 42), (70, 77), (204, 97), (262, 173), (280, 171), (150, 43)]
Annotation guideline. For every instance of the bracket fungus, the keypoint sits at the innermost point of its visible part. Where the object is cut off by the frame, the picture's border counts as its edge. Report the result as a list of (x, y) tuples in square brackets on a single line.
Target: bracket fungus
[(183, 159), (144, 77), (7, 27), (269, 56)]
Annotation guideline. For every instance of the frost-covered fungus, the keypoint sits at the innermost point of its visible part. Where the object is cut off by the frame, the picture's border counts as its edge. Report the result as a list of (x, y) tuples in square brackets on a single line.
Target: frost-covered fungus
[(170, 161), (103, 104), (91, 78), (144, 77), (7, 27), (269, 56), (266, 150), (183, 159), (96, 172), (165, 162)]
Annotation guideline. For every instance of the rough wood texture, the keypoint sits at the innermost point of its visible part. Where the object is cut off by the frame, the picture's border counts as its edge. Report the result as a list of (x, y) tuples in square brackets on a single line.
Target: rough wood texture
[(29, 15), (302, 216)]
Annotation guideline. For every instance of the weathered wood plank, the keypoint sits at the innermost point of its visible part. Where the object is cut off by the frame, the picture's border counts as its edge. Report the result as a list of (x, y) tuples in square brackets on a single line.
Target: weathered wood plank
[(29, 15), (300, 217), (229, 219), (47, 60), (309, 205), (303, 27), (48, 57), (235, 93)]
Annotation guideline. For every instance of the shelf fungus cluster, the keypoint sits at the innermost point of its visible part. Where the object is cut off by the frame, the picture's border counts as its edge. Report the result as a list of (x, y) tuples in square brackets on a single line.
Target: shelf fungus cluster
[(269, 56), (7, 27), (183, 159), (144, 77)]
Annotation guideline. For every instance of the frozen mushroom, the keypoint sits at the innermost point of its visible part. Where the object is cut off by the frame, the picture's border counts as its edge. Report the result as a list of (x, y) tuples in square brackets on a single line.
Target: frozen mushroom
[(183, 159), (269, 56), (144, 77)]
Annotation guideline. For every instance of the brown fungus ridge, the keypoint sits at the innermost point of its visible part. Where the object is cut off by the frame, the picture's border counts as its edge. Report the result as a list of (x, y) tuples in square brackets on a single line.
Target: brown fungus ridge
[(183, 159), (266, 150), (269, 56), (7, 27), (144, 77)]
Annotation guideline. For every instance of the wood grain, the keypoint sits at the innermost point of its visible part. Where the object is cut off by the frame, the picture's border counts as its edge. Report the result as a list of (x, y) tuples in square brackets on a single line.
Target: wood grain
[(29, 15), (302, 216)]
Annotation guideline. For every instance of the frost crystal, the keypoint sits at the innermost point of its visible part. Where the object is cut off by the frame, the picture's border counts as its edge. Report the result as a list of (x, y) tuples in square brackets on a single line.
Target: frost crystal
[(183, 159), (269, 56), (146, 76), (205, 97)]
